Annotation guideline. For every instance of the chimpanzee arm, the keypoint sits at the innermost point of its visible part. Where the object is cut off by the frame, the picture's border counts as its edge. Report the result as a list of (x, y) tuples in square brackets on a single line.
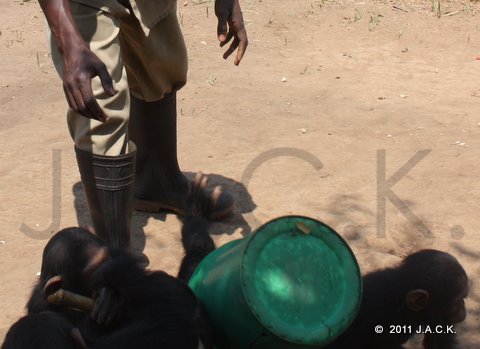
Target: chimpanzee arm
[(196, 239), (197, 243), (111, 282)]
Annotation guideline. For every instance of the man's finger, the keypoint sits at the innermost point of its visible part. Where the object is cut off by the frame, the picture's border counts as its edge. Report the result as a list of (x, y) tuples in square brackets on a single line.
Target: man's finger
[(91, 103), (69, 97), (106, 79), (229, 37), (242, 47), (95, 110), (232, 48), (78, 100), (222, 28)]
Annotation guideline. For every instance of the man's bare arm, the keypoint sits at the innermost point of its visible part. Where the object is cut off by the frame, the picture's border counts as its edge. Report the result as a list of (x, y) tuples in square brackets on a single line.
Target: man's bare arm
[(80, 64)]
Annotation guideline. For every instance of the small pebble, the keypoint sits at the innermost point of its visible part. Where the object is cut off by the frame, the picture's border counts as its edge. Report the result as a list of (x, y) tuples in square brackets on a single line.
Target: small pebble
[(284, 79), (351, 233), (2, 242)]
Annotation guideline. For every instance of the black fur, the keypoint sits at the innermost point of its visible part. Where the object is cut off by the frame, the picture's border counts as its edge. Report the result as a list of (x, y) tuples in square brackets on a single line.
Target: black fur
[(148, 309), (383, 303), (44, 330), (197, 243), (160, 311), (66, 254), (196, 239)]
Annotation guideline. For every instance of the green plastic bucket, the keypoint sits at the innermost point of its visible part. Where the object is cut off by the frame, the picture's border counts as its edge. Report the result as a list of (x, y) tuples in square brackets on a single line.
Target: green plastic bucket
[(292, 284)]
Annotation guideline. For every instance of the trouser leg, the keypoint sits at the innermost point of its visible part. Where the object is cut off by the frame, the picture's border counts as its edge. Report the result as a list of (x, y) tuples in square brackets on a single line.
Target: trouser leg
[(156, 67), (106, 162)]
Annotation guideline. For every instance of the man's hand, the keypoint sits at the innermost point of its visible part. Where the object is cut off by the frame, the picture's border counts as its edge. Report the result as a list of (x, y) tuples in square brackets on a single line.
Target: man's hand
[(230, 25), (79, 67)]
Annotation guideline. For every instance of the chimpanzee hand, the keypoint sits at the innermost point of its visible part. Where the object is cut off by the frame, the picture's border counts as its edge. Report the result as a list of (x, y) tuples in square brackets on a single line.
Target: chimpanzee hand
[(229, 12), (107, 308), (80, 65)]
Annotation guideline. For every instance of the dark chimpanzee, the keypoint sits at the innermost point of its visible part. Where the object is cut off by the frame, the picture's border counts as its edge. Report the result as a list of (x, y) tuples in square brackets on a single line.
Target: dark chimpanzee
[(133, 307), (424, 294), (43, 330)]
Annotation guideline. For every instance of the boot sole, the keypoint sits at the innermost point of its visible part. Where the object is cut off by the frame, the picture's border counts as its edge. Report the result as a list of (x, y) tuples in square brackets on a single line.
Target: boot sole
[(156, 207)]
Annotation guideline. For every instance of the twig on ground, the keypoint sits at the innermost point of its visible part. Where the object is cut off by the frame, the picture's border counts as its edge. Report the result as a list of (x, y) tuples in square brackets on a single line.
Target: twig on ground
[(398, 8)]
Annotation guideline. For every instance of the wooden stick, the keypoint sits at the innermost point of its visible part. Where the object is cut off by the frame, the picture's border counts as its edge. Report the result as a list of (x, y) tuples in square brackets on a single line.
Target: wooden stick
[(71, 300)]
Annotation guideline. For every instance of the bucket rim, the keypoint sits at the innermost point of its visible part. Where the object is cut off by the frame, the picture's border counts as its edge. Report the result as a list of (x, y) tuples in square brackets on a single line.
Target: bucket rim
[(249, 301)]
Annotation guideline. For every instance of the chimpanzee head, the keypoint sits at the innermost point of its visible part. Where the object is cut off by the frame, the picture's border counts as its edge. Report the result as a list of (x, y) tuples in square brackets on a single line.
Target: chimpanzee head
[(70, 258), (436, 287)]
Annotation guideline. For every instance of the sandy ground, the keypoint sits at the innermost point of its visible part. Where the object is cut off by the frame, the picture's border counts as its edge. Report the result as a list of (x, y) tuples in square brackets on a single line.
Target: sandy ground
[(327, 93)]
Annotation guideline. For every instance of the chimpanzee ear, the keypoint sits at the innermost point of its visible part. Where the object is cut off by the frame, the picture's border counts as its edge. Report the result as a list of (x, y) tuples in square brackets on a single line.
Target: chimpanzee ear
[(53, 285), (90, 229), (417, 300)]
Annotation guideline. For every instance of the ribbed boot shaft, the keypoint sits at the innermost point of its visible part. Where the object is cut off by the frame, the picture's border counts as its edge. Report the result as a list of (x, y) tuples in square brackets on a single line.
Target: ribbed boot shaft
[(108, 182)]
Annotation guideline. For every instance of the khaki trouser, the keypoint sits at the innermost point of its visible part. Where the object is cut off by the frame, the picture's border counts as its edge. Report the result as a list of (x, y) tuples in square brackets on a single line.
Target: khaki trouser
[(148, 63)]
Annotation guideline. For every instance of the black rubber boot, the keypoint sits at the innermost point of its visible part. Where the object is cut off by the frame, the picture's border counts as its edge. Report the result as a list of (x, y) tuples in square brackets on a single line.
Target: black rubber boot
[(159, 183), (153, 128), (108, 184)]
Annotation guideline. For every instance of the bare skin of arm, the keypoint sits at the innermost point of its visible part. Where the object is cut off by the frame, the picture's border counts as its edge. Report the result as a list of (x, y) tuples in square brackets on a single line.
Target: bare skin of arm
[(80, 64)]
